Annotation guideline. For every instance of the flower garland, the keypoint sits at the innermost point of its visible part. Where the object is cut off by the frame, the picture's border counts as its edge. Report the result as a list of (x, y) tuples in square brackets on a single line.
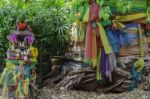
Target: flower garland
[(30, 39), (13, 38)]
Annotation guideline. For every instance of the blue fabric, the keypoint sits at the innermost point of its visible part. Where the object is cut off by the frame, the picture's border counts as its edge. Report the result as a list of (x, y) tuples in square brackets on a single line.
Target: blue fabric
[(136, 76), (114, 39), (125, 38), (118, 38), (25, 71), (133, 25), (94, 24), (131, 36)]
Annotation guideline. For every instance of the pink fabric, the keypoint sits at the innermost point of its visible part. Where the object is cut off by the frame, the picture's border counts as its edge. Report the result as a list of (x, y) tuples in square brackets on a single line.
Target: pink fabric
[(94, 11), (94, 16), (88, 41)]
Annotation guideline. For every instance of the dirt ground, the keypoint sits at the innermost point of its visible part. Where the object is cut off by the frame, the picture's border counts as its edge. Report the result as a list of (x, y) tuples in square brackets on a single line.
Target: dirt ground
[(71, 94)]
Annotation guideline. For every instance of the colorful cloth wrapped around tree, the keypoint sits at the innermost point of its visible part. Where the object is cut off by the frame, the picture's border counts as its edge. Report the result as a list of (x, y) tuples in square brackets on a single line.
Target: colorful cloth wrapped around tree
[(97, 47), (114, 29)]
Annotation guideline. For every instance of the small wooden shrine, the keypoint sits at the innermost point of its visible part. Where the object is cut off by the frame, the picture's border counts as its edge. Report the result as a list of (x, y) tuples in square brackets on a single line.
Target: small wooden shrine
[(20, 70)]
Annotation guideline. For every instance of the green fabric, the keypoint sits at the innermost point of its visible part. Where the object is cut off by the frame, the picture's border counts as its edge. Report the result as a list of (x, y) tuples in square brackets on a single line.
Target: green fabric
[(124, 6), (12, 73), (7, 77), (106, 23), (105, 13), (11, 64), (147, 34), (87, 61), (33, 63), (148, 15), (98, 74)]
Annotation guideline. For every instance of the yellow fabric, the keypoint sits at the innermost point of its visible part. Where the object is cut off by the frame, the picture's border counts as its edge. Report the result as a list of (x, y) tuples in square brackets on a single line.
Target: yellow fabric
[(4, 80), (25, 86), (21, 62), (139, 64), (121, 25), (104, 39), (86, 16), (141, 42), (126, 18), (98, 74), (118, 25), (10, 65), (33, 59), (34, 52), (94, 50), (148, 39), (3, 74)]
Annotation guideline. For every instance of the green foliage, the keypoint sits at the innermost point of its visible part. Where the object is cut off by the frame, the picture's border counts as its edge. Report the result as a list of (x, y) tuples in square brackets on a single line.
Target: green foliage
[(52, 29), (78, 7), (124, 6), (48, 19)]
